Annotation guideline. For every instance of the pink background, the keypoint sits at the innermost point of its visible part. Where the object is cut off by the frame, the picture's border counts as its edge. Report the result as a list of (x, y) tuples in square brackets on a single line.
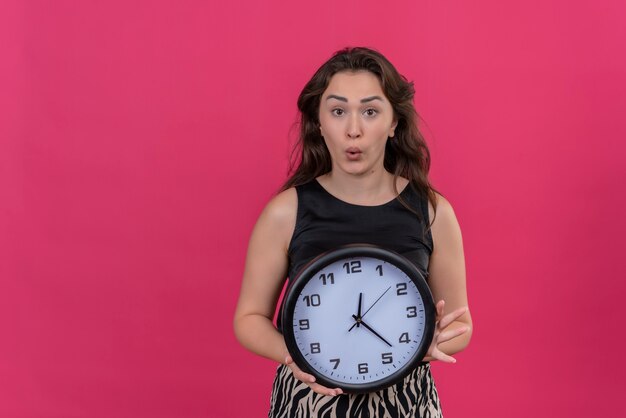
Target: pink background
[(140, 140)]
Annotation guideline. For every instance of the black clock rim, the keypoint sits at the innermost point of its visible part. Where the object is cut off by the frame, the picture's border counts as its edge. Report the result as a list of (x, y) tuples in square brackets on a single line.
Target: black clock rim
[(358, 250)]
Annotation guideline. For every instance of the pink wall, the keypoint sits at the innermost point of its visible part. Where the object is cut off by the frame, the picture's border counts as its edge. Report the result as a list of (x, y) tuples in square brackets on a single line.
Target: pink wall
[(140, 140)]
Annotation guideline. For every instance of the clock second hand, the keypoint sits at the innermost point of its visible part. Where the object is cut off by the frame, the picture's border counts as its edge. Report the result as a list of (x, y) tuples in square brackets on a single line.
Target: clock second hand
[(359, 316), (376, 301)]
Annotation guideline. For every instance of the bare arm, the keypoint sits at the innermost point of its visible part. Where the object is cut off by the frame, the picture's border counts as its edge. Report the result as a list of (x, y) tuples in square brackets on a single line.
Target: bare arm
[(263, 278), (447, 277)]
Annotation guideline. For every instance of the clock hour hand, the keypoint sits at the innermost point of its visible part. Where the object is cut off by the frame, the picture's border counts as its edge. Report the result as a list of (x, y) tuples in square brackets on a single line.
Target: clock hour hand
[(371, 329), (358, 314)]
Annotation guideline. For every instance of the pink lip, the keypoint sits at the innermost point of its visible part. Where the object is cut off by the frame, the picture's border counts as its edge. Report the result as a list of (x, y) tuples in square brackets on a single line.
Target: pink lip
[(353, 154)]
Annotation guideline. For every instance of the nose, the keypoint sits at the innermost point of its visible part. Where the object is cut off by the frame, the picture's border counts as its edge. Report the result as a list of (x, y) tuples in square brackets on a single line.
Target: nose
[(354, 127)]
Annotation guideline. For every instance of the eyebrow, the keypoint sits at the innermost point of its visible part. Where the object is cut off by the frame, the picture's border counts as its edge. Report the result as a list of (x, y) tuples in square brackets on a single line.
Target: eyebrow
[(343, 99)]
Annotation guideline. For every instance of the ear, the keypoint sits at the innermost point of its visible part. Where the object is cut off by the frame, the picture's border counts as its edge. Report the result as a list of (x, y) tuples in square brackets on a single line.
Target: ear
[(393, 127)]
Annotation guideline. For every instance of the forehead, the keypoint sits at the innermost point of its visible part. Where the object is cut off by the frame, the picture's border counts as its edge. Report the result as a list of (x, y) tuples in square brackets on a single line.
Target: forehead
[(354, 85)]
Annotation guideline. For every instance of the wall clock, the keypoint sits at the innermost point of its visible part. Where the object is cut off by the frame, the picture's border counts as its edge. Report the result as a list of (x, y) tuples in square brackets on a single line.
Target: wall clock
[(359, 317)]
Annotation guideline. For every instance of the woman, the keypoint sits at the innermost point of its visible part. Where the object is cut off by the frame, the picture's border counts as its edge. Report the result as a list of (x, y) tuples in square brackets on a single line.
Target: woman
[(362, 176)]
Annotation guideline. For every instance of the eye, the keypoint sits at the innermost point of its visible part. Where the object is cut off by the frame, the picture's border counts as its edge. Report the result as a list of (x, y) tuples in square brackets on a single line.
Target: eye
[(335, 110), (372, 112)]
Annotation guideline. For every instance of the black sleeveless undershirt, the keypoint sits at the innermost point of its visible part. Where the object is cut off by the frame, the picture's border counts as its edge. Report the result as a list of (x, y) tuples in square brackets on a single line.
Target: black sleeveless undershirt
[(325, 222)]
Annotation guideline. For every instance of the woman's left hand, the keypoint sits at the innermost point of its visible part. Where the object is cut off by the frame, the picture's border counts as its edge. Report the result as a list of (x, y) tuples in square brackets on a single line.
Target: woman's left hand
[(442, 336)]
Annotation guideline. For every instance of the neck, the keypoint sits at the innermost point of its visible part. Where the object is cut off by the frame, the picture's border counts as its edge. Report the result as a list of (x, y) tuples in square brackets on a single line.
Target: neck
[(364, 188)]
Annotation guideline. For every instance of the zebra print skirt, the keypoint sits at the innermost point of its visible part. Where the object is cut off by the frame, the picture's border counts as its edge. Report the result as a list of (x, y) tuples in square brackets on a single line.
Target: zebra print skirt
[(416, 396)]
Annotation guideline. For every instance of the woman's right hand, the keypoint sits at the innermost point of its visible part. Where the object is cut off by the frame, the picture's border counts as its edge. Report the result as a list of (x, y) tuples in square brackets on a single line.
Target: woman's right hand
[(310, 379)]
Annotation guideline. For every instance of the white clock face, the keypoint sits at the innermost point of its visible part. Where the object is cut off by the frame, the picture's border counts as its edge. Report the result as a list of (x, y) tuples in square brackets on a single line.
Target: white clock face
[(355, 346)]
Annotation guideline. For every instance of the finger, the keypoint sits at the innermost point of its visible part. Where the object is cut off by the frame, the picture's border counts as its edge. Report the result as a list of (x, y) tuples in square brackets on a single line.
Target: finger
[(298, 373), (439, 312), (310, 379), (302, 376), (441, 356), (323, 390), (440, 307), (453, 333), (451, 317)]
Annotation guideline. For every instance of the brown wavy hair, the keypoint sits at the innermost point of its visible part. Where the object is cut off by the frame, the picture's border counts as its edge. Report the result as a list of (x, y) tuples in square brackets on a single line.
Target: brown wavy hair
[(406, 155)]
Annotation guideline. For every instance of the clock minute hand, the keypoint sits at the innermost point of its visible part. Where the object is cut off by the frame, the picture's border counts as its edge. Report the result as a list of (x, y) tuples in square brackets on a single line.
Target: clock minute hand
[(376, 301), (372, 330)]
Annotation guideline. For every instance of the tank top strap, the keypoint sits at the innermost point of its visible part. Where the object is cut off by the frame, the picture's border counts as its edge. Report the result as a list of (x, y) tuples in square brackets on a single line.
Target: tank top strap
[(420, 203)]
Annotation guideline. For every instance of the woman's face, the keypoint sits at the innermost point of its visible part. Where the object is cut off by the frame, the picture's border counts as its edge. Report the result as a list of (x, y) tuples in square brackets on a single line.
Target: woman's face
[(355, 120)]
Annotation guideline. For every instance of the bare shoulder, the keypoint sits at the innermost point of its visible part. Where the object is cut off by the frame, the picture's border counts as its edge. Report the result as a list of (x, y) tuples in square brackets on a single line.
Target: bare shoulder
[(282, 207), (444, 208), (445, 225), (279, 216)]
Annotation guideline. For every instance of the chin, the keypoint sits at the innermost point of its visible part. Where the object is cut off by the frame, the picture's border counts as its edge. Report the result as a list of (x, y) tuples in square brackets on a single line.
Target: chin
[(355, 170)]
